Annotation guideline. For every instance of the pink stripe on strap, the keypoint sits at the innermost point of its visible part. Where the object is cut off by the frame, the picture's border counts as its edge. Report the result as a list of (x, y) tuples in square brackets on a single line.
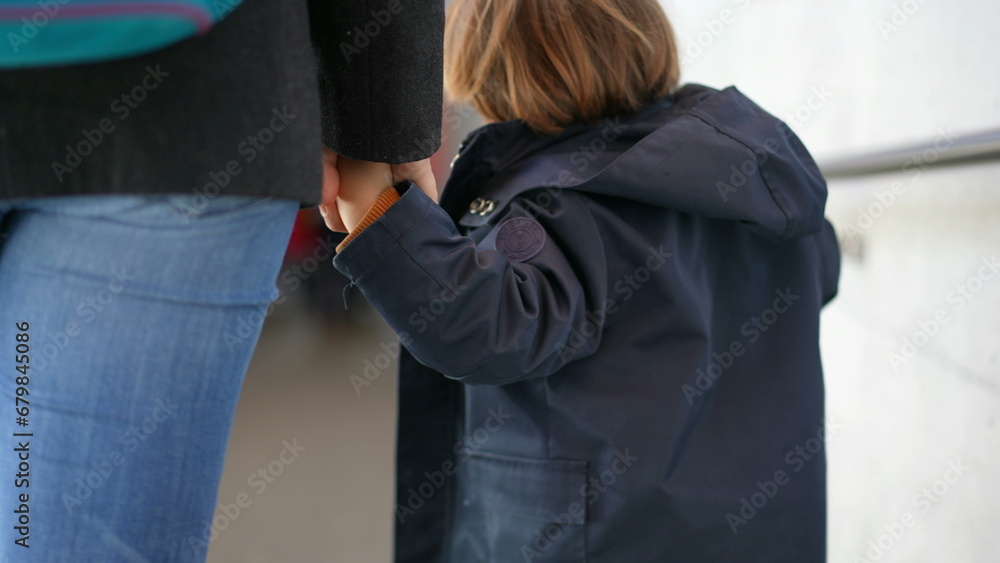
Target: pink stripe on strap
[(201, 18)]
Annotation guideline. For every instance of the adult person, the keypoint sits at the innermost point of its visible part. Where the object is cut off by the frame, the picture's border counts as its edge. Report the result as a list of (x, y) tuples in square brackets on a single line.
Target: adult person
[(145, 207)]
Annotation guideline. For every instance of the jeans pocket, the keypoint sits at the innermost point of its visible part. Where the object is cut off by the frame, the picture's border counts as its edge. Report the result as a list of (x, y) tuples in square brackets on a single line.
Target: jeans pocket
[(519, 509)]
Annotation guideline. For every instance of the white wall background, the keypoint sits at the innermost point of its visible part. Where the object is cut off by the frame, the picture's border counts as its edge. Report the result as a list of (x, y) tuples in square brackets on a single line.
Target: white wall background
[(857, 76)]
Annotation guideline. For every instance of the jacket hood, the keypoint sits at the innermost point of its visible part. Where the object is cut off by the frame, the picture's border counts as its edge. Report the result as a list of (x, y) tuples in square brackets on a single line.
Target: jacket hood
[(700, 151)]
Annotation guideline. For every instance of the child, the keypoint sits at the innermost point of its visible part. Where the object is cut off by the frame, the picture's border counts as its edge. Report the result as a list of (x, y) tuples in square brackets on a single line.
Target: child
[(611, 321)]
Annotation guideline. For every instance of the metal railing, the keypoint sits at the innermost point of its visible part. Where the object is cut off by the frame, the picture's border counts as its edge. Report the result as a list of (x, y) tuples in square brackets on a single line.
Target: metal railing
[(962, 150)]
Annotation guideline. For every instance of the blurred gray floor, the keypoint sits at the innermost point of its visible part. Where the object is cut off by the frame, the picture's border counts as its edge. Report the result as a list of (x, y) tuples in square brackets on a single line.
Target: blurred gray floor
[(333, 503)]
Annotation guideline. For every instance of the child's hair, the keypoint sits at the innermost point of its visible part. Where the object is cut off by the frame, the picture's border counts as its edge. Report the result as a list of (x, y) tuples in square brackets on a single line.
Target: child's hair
[(554, 62)]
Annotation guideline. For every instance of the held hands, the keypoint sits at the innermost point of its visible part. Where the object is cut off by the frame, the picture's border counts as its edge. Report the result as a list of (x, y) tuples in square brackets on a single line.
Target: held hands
[(351, 187), (359, 184)]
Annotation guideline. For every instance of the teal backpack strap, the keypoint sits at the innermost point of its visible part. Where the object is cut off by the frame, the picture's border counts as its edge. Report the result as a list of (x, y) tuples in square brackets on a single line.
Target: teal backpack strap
[(37, 33)]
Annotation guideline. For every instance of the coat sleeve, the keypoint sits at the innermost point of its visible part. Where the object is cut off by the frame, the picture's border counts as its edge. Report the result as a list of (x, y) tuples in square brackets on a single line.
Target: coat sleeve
[(380, 73), (472, 314)]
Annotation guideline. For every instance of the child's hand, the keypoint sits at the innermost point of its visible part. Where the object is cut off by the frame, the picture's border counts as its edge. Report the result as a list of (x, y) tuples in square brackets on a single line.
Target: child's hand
[(361, 182), (350, 188)]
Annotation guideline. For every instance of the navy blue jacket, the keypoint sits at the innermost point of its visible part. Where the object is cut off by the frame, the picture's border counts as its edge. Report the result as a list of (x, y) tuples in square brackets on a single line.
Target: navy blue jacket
[(612, 342)]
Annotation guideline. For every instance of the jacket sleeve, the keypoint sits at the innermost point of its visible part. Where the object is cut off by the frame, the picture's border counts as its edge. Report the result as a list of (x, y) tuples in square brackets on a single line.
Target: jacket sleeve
[(380, 73), (471, 313)]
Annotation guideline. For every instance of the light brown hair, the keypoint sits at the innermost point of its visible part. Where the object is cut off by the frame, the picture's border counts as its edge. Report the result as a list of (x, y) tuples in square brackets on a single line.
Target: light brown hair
[(554, 62)]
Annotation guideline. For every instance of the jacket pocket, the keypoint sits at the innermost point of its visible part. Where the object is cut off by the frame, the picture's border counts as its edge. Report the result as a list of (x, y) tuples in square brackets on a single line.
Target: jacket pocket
[(512, 509)]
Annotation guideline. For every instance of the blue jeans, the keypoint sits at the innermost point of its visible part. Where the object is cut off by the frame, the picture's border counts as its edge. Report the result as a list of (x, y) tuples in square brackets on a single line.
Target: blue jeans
[(126, 327)]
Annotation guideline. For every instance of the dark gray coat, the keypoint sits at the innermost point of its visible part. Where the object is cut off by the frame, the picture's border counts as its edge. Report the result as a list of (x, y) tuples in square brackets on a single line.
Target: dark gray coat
[(237, 111), (613, 356)]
